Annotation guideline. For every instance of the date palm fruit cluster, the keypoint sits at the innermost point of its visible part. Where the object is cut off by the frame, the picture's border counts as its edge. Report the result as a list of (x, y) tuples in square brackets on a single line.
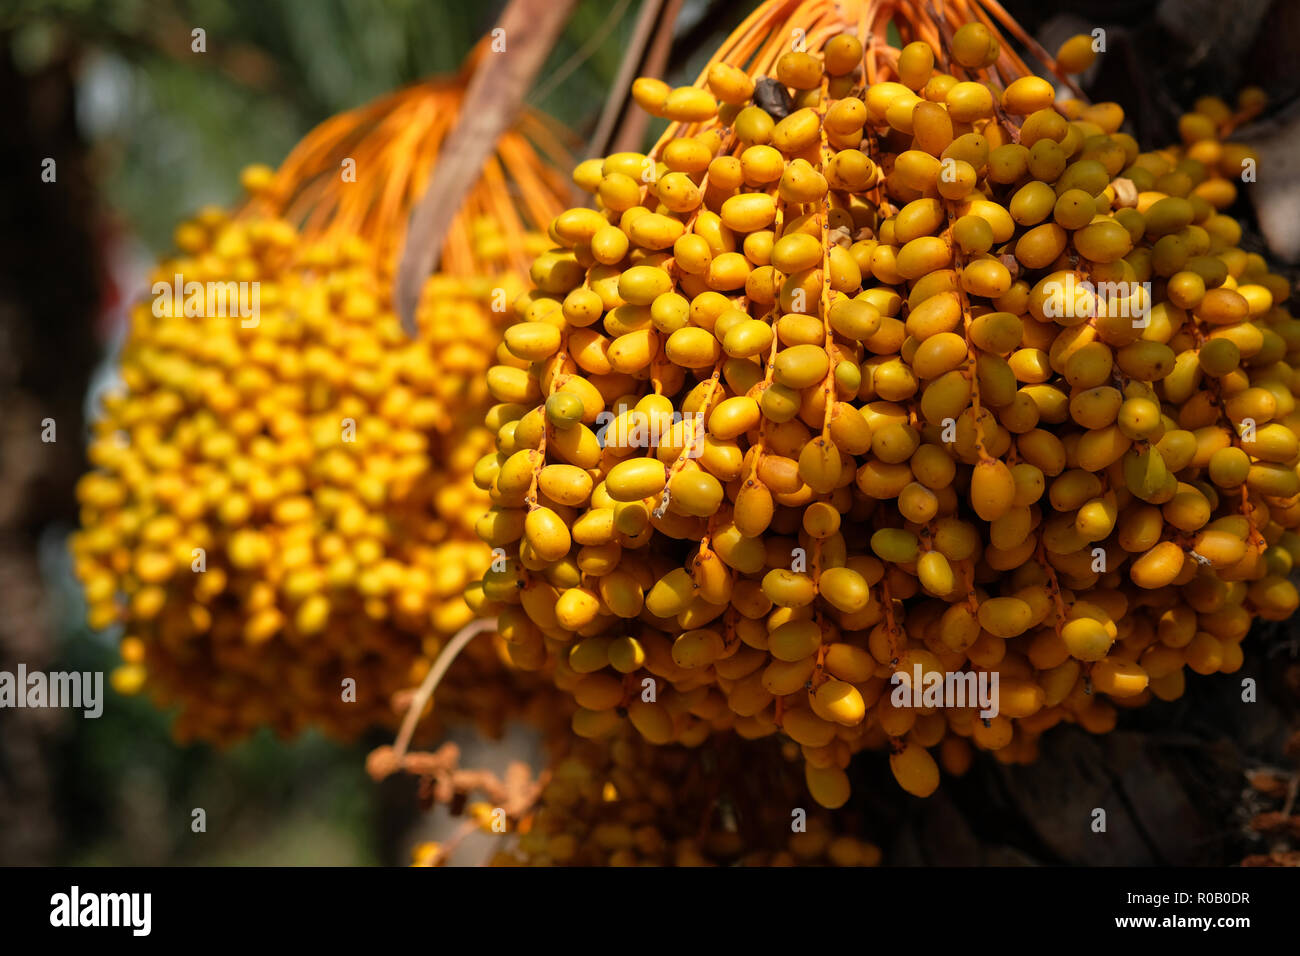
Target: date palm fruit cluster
[(885, 364), (280, 515), (624, 802)]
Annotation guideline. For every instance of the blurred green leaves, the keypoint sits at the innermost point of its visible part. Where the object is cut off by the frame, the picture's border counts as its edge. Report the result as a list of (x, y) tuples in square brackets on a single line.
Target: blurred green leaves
[(272, 69)]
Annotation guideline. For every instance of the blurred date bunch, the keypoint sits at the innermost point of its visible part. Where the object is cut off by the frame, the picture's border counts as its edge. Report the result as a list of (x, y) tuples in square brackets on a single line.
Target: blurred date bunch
[(280, 515)]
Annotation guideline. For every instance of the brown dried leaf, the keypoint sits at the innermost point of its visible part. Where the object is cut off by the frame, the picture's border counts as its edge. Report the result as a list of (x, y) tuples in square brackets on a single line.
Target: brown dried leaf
[(621, 126), (494, 97)]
